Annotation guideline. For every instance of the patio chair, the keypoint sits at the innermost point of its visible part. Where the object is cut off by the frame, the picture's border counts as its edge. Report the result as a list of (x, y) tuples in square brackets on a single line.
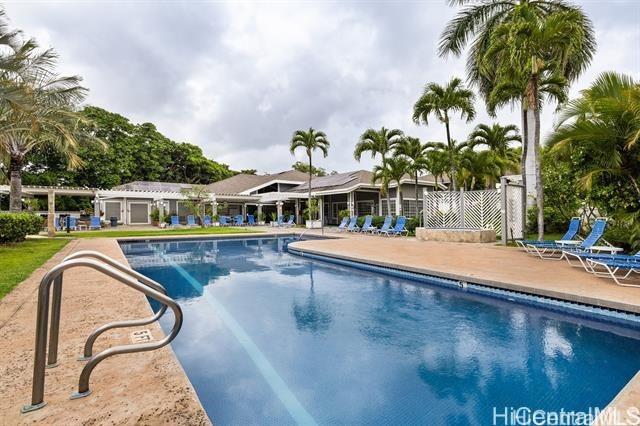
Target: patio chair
[(239, 219), (584, 257), (251, 220), (73, 223), (398, 228), (57, 224), (549, 250), (343, 224), (353, 224), (95, 223), (223, 221), (366, 226), (386, 225), (289, 223), (570, 235), (279, 222), (191, 221), (612, 267), (206, 221), (175, 222)]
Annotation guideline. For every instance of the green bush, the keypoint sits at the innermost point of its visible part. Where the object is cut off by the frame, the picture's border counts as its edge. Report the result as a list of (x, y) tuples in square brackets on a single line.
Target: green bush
[(411, 225), (554, 221), (14, 227)]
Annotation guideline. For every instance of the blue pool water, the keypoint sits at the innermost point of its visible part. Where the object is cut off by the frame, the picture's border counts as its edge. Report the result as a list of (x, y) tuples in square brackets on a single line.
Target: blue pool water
[(273, 338)]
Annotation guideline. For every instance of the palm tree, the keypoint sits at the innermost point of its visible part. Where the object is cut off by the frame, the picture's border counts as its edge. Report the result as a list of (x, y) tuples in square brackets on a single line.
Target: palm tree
[(378, 142), (496, 137), (310, 140), (442, 102), (522, 51), (393, 170), (603, 126), (416, 154), (43, 116), (437, 164)]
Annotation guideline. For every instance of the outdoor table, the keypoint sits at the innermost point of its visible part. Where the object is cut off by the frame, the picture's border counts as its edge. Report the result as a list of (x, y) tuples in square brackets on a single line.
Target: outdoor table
[(610, 249)]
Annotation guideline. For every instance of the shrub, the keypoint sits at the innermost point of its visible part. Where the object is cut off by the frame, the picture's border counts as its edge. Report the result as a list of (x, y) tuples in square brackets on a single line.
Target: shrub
[(14, 227), (411, 225)]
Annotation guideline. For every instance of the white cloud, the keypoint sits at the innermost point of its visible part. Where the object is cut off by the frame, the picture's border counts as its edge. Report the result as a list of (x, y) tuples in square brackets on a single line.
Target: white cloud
[(239, 78)]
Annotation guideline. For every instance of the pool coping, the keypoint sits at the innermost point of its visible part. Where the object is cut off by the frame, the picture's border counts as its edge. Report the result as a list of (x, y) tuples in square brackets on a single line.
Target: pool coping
[(558, 295)]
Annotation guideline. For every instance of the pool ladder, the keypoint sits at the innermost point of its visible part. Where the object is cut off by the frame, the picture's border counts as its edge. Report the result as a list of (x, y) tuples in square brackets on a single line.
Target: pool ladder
[(113, 269)]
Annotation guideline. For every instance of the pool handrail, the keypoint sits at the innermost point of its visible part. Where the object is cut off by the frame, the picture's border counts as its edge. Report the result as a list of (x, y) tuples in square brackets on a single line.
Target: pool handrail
[(42, 322)]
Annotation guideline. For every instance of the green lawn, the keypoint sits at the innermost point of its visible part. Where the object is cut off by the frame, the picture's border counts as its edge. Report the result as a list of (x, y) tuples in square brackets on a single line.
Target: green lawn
[(116, 233), (546, 236), (18, 261)]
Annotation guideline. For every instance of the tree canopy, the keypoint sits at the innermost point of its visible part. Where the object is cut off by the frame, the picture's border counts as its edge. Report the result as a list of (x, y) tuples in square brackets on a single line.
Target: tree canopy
[(133, 152)]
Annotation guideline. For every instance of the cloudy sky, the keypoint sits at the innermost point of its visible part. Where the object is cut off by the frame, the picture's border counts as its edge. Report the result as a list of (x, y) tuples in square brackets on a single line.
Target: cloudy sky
[(237, 78)]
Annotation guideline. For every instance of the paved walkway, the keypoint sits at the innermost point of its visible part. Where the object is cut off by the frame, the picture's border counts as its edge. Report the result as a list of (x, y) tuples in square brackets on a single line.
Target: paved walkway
[(144, 388)]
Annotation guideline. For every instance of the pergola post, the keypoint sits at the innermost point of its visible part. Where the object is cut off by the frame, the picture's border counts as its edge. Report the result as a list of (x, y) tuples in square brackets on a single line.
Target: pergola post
[(96, 205), (298, 218), (321, 209), (214, 208), (51, 216), (279, 208)]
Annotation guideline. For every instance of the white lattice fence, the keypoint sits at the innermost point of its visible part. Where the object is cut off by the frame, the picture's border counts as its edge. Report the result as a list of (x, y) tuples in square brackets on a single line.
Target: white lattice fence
[(482, 210), (442, 209), (515, 217)]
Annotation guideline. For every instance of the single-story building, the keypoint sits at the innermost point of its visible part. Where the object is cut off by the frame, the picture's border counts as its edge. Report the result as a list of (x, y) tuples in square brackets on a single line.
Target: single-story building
[(279, 193)]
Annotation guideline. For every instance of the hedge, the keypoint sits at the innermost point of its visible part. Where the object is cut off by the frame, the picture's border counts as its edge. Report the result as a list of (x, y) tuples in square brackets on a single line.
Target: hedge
[(14, 227)]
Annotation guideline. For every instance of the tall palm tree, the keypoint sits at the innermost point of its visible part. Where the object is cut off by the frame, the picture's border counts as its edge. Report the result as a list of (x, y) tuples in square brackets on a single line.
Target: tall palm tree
[(442, 102), (45, 114), (309, 140), (378, 142), (495, 137), (393, 170), (416, 154), (523, 51)]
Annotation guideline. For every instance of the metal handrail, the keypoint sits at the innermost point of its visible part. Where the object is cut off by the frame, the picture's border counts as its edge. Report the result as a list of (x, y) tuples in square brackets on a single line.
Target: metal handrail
[(88, 347), (44, 290)]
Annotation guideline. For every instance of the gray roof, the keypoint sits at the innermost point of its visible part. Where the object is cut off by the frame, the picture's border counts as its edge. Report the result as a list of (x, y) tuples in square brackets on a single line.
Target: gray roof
[(153, 186), (243, 182), (350, 179)]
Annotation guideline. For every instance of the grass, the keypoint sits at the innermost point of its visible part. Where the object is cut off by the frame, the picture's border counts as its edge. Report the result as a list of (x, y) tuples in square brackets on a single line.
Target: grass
[(546, 236), (18, 261), (108, 233)]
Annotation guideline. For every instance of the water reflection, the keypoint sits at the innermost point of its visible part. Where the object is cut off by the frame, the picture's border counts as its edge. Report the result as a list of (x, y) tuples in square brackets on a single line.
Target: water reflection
[(314, 313)]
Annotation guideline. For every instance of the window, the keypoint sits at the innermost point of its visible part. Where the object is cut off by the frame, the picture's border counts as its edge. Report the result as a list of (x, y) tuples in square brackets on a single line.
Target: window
[(384, 208), (112, 209), (409, 208)]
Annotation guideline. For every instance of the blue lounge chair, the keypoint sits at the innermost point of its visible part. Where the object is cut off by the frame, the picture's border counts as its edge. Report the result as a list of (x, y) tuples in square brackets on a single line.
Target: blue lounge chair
[(353, 224), (239, 219), (343, 224), (386, 225), (95, 223), (366, 226), (612, 267), (175, 221), (56, 224), (289, 223), (279, 222), (398, 228), (73, 223), (570, 235), (223, 221), (251, 220), (207, 220), (191, 221), (549, 250)]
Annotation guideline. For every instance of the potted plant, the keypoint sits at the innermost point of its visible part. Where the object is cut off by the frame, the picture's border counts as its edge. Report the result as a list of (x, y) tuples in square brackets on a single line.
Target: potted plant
[(274, 219), (155, 217), (311, 213), (260, 218)]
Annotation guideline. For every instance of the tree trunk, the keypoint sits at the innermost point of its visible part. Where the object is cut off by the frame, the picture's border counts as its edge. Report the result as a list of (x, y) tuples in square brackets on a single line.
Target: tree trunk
[(15, 175), (452, 163), (538, 175), (384, 164), (399, 198), (309, 195)]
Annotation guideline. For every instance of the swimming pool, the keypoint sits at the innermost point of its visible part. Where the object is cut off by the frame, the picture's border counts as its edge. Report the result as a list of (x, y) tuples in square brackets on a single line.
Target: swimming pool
[(273, 338)]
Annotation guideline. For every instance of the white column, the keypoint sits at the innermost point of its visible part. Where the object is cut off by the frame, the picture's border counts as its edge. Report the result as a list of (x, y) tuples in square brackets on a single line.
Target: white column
[(51, 221), (398, 205), (279, 208), (350, 204), (379, 204), (96, 205), (259, 212), (214, 208), (321, 209)]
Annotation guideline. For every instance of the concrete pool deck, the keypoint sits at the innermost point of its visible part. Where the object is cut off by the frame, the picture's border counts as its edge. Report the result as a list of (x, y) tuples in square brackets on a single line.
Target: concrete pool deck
[(151, 387), (143, 388)]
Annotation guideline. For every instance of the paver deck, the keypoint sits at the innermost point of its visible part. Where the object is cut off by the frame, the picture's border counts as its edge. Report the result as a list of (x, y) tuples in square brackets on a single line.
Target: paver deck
[(143, 388)]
